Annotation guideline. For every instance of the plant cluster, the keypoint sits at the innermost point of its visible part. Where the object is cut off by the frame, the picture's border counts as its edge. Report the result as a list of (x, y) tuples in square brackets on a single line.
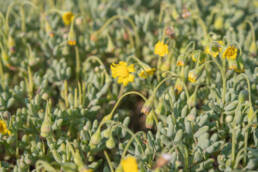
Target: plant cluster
[(128, 86)]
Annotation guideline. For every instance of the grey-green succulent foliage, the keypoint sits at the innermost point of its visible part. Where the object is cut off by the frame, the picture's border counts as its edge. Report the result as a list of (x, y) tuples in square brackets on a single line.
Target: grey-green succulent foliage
[(66, 113)]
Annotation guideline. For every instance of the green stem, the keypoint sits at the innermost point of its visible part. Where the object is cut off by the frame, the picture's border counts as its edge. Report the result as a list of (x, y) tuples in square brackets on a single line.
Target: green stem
[(78, 63), (128, 130), (158, 68), (92, 58), (249, 87), (109, 162), (143, 65), (117, 103), (110, 20), (233, 143), (224, 79), (128, 144)]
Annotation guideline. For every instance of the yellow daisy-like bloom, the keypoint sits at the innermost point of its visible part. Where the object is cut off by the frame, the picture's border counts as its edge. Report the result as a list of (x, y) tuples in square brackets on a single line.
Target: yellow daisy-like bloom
[(3, 128), (214, 49), (192, 76), (230, 53), (129, 164), (147, 72), (122, 72), (67, 18), (161, 49)]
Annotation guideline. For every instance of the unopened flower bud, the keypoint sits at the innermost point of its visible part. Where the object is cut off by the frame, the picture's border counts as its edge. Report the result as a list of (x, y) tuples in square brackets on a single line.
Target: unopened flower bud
[(107, 133), (192, 76), (178, 86), (147, 106), (192, 100), (71, 37), (149, 120), (219, 22), (96, 137), (253, 49), (110, 143), (46, 125), (11, 44), (229, 118), (250, 114)]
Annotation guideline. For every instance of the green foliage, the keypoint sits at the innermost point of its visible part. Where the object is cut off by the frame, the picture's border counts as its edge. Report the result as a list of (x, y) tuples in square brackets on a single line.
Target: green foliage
[(66, 112)]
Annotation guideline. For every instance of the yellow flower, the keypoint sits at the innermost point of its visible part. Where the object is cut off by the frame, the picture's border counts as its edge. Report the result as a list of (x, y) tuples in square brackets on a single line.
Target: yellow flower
[(147, 72), (3, 128), (86, 170), (178, 86), (161, 49), (67, 18), (122, 72), (192, 76), (194, 58), (214, 49), (129, 164), (230, 53), (180, 63)]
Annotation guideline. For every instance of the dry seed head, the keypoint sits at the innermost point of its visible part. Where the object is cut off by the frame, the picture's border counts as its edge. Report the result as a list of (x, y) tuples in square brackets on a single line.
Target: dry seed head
[(170, 32), (162, 160)]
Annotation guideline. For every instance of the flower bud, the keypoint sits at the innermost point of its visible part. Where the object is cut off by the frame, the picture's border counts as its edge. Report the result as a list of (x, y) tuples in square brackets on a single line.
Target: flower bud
[(149, 120), (107, 133), (229, 118), (147, 106), (253, 49), (192, 100), (71, 37), (46, 125), (107, 118), (219, 22), (250, 114), (110, 143), (192, 76), (96, 138), (110, 45), (180, 62), (178, 86), (11, 44)]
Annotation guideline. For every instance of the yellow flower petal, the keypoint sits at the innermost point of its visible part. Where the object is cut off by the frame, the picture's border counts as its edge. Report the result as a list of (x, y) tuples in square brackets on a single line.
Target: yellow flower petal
[(129, 164), (122, 72), (161, 49)]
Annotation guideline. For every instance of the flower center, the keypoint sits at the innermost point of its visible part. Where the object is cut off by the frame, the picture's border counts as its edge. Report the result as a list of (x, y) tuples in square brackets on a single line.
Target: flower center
[(123, 72)]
